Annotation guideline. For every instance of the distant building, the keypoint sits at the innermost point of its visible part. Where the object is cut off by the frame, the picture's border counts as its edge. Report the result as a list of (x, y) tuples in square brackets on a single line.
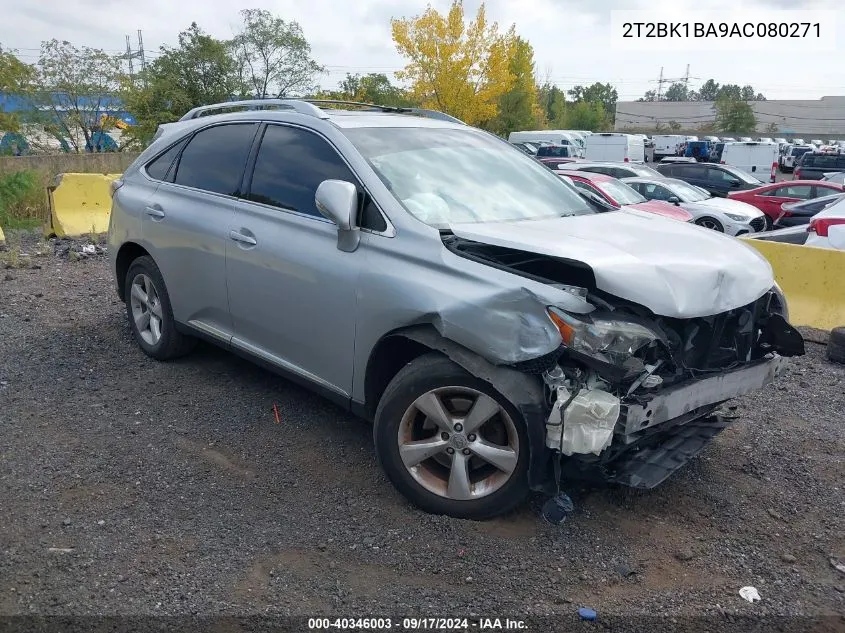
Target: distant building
[(824, 117)]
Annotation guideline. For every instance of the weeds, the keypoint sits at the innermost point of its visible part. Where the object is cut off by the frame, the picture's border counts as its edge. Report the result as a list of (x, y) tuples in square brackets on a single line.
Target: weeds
[(23, 200)]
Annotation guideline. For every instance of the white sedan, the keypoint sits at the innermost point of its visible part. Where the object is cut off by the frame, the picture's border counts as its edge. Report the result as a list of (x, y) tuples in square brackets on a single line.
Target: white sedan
[(720, 214), (827, 228)]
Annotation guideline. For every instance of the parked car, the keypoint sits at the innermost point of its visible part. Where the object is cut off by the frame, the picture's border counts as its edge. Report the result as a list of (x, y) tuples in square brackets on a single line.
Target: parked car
[(621, 196), (834, 176), (753, 158), (827, 227), (817, 142), (617, 170), (769, 198), (765, 139), (814, 165), (610, 146), (745, 139), (781, 141), (720, 214), (667, 145), (728, 139), (717, 180), (554, 137), (678, 159), (801, 212), (556, 151), (787, 163), (435, 280), (716, 152), (799, 141)]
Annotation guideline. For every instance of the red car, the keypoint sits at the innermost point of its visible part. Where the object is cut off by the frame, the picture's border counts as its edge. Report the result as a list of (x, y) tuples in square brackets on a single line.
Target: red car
[(769, 198), (620, 195), (553, 160)]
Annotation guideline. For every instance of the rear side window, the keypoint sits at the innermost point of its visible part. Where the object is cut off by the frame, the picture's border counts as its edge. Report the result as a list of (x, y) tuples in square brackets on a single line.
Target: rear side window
[(214, 158), (291, 164), (159, 168), (824, 161)]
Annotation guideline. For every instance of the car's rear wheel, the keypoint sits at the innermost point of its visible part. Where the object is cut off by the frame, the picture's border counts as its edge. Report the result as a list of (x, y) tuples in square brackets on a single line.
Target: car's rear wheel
[(150, 314), (450, 443), (710, 223)]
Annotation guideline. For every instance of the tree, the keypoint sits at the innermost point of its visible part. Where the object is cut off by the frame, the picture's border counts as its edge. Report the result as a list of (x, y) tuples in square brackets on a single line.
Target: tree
[(462, 69), (674, 126), (72, 91), (598, 92), (709, 91), (678, 91), (15, 79), (734, 115), (552, 102), (369, 88), (273, 56), (650, 95), (200, 71), (518, 107), (586, 115)]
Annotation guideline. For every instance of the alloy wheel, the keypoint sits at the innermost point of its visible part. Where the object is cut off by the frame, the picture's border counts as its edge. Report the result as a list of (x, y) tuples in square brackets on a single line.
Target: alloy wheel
[(146, 308), (458, 443)]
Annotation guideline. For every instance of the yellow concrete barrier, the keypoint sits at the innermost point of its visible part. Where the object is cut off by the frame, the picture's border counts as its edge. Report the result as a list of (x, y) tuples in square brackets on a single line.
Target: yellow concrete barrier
[(811, 278), (2, 237), (79, 204)]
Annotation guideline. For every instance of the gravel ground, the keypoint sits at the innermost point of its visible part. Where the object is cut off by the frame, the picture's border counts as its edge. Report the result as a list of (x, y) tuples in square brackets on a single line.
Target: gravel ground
[(132, 487)]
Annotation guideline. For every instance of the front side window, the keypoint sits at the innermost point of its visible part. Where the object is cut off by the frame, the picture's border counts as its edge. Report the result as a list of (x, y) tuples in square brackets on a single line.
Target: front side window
[(622, 193), (803, 192), (214, 158), (446, 176)]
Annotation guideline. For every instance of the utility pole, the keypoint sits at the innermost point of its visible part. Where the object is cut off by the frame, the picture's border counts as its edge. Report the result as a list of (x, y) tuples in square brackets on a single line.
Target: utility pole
[(686, 77), (139, 54), (659, 81)]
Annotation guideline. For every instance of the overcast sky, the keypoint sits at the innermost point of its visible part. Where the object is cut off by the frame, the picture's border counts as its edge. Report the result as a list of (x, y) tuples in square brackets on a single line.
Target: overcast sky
[(571, 38)]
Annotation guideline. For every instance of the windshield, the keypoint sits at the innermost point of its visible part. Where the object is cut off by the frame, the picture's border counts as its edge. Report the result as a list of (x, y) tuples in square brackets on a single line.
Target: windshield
[(688, 193), (622, 193), (446, 176)]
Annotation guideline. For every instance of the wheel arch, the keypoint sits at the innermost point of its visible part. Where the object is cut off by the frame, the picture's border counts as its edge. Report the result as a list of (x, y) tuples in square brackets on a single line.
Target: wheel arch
[(524, 391), (126, 254)]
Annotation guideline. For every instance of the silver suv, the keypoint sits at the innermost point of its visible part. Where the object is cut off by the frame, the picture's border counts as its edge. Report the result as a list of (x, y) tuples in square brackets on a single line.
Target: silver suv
[(434, 279)]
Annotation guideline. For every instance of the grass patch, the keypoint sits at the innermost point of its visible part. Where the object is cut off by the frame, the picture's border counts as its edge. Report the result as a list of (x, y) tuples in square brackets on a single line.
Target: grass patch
[(23, 200)]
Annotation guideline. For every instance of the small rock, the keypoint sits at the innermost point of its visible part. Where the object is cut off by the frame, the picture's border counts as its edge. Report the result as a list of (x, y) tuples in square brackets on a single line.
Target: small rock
[(685, 554), (468, 579), (101, 522), (322, 547), (788, 558), (804, 384), (774, 514), (121, 578), (66, 522)]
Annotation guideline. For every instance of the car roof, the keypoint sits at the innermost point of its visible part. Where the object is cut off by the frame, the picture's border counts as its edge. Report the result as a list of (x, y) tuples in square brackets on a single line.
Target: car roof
[(659, 181), (586, 175)]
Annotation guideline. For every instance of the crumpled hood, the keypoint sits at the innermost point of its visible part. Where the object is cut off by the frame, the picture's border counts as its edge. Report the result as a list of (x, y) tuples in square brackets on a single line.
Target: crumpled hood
[(725, 205), (673, 268)]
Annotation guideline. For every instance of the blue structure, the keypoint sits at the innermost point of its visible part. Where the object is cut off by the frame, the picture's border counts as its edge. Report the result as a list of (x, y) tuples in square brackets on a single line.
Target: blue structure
[(13, 144)]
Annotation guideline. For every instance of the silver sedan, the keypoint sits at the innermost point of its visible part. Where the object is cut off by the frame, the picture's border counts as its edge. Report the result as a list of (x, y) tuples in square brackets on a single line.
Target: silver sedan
[(720, 214)]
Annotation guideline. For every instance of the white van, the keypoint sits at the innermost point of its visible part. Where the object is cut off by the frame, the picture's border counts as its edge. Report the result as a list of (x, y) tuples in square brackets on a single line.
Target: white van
[(666, 145), (758, 159), (556, 137), (609, 146)]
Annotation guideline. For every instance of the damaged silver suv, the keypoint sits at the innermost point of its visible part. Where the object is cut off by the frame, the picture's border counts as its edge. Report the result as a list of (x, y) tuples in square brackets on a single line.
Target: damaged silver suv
[(428, 276)]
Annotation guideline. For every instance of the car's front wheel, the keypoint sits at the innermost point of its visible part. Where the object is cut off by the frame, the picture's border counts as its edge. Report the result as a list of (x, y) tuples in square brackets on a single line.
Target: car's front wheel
[(450, 443), (150, 314), (710, 223)]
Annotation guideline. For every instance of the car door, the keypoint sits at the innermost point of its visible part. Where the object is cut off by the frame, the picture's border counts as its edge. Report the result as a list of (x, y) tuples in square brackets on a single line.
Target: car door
[(187, 221), (693, 174), (293, 294), (770, 201)]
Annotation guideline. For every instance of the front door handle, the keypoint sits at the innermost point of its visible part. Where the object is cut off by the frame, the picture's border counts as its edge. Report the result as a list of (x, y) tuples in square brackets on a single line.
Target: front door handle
[(243, 239), (155, 211)]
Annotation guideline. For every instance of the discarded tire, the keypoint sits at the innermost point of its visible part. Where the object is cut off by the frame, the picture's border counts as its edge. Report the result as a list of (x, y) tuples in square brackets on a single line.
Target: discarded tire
[(836, 345)]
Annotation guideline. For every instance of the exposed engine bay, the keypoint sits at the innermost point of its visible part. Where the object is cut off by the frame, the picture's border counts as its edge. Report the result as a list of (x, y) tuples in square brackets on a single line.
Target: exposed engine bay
[(624, 373)]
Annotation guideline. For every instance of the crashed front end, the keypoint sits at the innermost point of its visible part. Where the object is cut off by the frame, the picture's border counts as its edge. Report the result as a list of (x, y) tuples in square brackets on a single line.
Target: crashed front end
[(633, 397)]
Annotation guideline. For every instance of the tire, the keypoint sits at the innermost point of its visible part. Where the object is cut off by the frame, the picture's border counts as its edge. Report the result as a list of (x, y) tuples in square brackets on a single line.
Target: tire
[(770, 224), (170, 343), (836, 345), (427, 381), (710, 223)]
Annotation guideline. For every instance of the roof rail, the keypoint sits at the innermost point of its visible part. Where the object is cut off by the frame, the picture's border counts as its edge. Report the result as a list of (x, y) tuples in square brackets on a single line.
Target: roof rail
[(298, 105), (431, 114)]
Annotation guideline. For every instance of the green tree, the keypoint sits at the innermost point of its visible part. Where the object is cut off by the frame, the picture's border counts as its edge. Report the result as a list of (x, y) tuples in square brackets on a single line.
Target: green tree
[(674, 126), (518, 107), (552, 102), (586, 115), (461, 69), (201, 70), (606, 94), (15, 79), (370, 88), (734, 115), (273, 56), (678, 91), (72, 90), (708, 91)]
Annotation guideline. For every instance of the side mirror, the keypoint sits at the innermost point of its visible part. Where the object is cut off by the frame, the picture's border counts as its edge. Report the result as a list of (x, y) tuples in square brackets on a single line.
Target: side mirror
[(674, 200), (337, 200)]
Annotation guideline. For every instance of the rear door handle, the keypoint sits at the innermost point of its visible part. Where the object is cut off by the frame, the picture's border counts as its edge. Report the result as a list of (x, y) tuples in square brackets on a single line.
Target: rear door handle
[(155, 211), (243, 239)]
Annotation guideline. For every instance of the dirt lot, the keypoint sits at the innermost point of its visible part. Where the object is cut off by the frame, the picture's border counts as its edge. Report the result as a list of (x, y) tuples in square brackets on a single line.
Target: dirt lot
[(133, 487)]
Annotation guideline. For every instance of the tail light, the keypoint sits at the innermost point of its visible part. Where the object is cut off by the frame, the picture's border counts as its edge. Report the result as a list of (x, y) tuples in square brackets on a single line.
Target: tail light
[(721, 162), (796, 175), (774, 172), (626, 159), (114, 186), (820, 226)]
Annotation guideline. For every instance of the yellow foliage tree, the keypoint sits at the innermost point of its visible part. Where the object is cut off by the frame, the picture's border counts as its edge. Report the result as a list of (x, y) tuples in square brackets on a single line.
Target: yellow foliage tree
[(458, 68)]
